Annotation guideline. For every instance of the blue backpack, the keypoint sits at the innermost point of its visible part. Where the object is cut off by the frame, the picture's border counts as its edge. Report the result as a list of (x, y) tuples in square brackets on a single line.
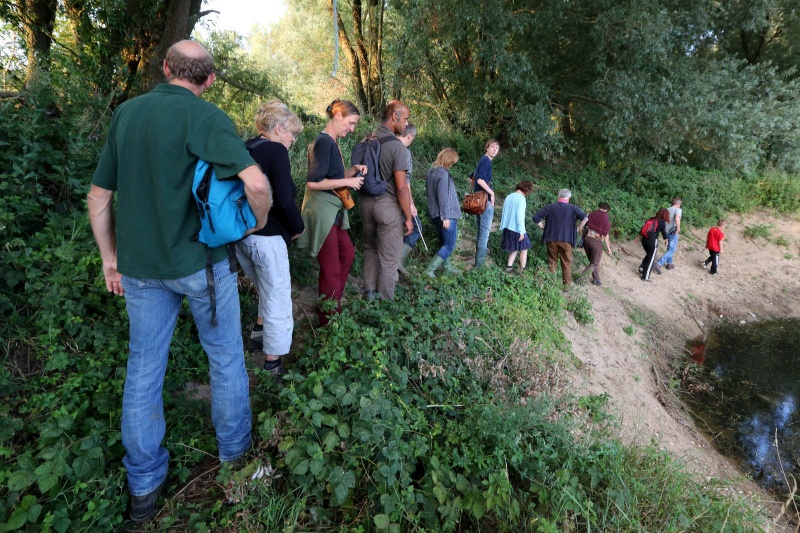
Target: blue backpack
[(225, 215), (368, 152)]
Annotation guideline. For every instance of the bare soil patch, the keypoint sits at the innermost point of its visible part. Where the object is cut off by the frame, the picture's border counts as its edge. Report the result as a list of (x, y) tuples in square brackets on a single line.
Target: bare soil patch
[(758, 279)]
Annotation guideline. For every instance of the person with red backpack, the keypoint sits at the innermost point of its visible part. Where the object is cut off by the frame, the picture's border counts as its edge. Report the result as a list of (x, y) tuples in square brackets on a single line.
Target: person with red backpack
[(649, 233)]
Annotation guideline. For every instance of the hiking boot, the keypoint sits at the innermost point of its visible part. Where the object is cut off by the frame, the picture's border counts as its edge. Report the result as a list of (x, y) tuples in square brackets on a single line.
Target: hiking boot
[(256, 341), (670, 266), (480, 256), (236, 464), (597, 282), (657, 268), (703, 264), (275, 368), (143, 508)]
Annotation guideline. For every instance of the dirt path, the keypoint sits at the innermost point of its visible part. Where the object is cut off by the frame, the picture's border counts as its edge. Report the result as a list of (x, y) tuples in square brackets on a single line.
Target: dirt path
[(756, 281)]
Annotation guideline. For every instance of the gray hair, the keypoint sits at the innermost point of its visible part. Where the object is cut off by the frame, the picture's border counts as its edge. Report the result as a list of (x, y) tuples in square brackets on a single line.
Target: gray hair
[(189, 61), (564, 193), (411, 129)]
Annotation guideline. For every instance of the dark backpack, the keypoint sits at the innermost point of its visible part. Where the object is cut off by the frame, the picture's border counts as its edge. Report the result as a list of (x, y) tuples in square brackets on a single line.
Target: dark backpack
[(650, 228), (368, 152)]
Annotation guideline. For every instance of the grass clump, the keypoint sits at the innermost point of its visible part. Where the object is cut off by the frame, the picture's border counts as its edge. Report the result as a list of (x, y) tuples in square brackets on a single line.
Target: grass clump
[(758, 231)]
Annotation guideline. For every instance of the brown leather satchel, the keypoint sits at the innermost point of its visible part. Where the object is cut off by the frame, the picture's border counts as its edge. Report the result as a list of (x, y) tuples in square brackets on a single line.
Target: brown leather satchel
[(344, 195), (475, 203)]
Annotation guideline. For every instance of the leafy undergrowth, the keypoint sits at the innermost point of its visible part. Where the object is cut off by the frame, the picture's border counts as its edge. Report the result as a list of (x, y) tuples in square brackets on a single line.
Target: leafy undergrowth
[(445, 410), (442, 410)]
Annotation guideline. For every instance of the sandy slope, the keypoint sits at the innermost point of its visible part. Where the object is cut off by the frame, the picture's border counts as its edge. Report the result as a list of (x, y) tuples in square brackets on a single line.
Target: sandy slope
[(755, 281)]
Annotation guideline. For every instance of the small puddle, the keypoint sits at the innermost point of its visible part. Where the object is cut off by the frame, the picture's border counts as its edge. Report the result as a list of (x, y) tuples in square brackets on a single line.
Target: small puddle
[(745, 394)]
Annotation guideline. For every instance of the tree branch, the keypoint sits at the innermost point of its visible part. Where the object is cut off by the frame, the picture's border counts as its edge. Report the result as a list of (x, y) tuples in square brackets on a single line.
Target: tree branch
[(239, 86)]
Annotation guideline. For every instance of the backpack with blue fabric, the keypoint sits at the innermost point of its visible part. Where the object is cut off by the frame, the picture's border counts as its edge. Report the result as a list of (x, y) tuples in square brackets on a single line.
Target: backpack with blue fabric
[(225, 216)]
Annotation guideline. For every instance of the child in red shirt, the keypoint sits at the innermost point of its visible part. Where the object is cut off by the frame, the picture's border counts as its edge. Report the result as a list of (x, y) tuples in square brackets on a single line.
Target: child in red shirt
[(714, 245)]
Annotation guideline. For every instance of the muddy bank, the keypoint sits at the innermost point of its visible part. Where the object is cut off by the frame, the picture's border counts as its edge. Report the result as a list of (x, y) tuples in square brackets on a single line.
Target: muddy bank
[(640, 327)]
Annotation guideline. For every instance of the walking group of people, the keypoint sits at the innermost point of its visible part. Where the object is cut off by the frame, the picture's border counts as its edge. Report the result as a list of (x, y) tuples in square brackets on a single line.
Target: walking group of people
[(145, 226), (667, 223)]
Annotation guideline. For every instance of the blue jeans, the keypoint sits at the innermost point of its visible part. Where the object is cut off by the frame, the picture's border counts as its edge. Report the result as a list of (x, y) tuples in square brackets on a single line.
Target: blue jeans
[(153, 306), (672, 245), (484, 225), (447, 236), (412, 238)]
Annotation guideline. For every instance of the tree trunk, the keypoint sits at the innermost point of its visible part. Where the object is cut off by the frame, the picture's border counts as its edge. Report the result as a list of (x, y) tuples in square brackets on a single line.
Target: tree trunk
[(362, 48), (178, 20), (38, 18)]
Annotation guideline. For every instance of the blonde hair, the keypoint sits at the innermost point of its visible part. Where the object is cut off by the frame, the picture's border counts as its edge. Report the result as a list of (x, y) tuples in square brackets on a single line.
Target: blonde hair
[(270, 114), (446, 158)]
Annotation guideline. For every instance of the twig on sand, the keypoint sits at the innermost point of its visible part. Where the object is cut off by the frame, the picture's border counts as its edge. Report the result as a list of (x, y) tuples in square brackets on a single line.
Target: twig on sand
[(792, 487)]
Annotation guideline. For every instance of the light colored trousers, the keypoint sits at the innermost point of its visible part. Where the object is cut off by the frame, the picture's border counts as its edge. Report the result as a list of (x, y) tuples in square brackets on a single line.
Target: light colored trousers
[(265, 261)]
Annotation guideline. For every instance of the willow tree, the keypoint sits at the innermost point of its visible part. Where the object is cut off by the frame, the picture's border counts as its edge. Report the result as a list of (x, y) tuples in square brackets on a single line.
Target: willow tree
[(118, 44), (361, 36), (35, 19)]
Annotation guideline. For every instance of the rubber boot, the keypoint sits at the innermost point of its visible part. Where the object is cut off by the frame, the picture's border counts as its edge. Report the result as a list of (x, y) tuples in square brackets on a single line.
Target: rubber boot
[(402, 268), (449, 268), (435, 263), (480, 256)]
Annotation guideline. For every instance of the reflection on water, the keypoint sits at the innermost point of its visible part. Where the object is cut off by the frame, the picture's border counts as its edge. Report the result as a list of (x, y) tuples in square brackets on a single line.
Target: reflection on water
[(747, 396)]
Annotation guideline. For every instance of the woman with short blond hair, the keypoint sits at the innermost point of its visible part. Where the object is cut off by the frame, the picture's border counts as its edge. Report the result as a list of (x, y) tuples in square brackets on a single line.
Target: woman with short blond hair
[(264, 255)]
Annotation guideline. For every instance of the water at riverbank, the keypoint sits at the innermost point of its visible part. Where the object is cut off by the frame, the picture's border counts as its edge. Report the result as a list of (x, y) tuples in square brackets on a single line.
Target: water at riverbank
[(746, 395)]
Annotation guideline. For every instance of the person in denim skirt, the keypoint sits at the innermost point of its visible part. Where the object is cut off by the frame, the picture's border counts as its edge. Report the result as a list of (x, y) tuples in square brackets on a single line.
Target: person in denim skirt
[(150, 257), (483, 182), (443, 208), (264, 255)]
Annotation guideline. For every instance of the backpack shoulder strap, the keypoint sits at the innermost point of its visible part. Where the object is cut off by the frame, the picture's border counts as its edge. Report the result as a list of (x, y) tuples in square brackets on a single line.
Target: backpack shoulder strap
[(384, 140), (255, 144)]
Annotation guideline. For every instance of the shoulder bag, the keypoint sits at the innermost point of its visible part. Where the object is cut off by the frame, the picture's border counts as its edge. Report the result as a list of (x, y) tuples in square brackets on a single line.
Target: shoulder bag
[(475, 203)]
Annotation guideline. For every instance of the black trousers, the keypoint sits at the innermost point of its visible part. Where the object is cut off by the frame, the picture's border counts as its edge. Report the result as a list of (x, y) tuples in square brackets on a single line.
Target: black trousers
[(650, 247)]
